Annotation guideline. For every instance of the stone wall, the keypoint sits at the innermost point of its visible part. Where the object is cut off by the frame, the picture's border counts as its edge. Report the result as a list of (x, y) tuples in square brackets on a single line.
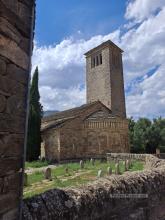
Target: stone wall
[(96, 200), (105, 82), (85, 139), (127, 156), (15, 51)]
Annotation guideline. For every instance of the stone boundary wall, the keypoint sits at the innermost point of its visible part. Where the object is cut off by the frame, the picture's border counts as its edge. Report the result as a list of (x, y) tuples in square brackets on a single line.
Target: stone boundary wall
[(126, 156), (95, 200), (15, 55)]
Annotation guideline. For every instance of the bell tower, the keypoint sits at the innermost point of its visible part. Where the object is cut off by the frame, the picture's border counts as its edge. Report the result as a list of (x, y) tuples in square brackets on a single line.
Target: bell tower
[(104, 77)]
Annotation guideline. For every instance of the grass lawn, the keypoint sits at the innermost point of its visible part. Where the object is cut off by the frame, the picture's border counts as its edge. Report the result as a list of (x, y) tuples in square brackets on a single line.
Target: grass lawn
[(73, 177), (36, 164)]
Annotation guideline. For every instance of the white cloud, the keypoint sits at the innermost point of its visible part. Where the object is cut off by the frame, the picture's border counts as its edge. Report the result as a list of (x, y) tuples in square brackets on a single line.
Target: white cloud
[(62, 66), (62, 71), (139, 10)]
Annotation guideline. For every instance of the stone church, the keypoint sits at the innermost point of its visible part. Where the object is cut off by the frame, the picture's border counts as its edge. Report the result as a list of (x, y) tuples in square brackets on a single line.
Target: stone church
[(98, 127)]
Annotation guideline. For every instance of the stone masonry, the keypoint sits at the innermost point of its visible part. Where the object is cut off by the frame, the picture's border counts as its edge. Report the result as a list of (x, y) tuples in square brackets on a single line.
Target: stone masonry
[(104, 77), (97, 200), (15, 51)]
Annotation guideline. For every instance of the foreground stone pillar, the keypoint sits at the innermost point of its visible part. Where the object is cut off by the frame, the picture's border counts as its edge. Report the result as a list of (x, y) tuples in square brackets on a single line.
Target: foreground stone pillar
[(16, 19)]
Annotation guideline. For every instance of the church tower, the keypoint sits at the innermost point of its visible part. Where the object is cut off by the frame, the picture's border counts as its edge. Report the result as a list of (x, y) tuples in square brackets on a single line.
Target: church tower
[(104, 77)]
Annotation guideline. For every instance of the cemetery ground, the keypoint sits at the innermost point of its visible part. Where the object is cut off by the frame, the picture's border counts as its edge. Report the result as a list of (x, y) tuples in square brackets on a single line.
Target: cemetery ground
[(70, 174)]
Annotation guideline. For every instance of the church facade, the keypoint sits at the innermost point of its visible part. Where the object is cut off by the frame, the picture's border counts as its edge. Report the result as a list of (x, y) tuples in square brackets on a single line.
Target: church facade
[(98, 127)]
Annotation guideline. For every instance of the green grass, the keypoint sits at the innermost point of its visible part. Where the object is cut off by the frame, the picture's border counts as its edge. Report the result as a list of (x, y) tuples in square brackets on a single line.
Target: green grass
[(74, 177), (36, 164)]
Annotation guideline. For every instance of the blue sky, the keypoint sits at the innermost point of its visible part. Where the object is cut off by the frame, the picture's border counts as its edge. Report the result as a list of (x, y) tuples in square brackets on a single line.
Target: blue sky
[(60, 19), (66, 29)]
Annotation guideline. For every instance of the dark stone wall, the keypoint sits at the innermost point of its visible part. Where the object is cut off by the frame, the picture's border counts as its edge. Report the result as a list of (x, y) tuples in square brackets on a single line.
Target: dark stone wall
[(15, 51), (94, 201)]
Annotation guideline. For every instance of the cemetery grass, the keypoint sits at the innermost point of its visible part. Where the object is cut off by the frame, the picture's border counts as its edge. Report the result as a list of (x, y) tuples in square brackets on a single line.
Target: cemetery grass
[(36, 164), (73, 177)]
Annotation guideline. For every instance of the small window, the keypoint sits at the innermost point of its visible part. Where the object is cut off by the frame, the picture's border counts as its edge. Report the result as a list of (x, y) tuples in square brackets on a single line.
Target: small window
[(97, 60), (101, 61)]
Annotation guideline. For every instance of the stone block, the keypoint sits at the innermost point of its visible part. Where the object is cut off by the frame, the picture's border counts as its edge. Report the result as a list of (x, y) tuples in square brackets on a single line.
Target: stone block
[(81, 164), (2, 67), (48, 173), (100, 173), (8, 202), (2, 103), (11, 150), (10, 123), (16, 106), (109, 170), (17, 74), (9, 166), (13, 52)]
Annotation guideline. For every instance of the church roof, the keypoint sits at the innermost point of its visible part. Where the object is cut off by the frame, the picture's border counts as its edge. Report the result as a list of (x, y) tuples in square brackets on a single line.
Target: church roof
[(101, 46), (60, 118), (69, 113)]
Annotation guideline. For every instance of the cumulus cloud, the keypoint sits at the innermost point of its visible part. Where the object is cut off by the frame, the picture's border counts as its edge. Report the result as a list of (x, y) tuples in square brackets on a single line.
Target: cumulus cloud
[(62, 71), (139, 10), (62, 66)]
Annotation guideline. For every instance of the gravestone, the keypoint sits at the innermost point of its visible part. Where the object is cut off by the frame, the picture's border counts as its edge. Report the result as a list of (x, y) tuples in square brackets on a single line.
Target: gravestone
[(81, 164), (127, 165), (117, 169), (109, 170), (48, 173), (100, 173), (92, 161)]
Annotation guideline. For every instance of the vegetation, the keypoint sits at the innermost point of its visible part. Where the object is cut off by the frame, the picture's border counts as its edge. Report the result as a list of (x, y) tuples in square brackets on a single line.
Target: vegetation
[(147, 135), (71, 175), (34, 121), (36, 164)]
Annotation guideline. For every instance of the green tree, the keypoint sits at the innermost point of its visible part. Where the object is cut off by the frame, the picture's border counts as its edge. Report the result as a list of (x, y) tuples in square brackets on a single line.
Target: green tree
[(34, 121), (131, 132), (141, 135)]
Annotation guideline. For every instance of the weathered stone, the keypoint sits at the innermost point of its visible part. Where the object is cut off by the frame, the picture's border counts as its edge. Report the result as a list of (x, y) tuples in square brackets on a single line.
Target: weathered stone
[(125, 166), (100, 173), (16, 106), (48, 173), (92, 161), (13, 52), (2, 67), (2, 103), (109, 170), (11, 150), (81, 164), (8, 202), (117, 168), (9, 165), (17, 74), (11, 123)]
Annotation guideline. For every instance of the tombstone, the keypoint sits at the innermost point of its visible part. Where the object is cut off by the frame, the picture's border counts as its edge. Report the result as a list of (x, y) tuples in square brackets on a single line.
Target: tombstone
[(25, 179), (48, 173), (92, 161), (127, 165), (117, 169), (109, 170), (157, 152), (100, 173), (66, 170), (81, 164)]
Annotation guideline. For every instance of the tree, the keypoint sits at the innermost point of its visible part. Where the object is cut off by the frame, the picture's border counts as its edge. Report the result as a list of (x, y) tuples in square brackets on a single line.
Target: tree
[(34, 121)]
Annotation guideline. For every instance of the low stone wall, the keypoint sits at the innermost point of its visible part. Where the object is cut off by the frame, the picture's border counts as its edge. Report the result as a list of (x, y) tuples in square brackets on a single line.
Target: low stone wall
[(126, 156), (96, 200)]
